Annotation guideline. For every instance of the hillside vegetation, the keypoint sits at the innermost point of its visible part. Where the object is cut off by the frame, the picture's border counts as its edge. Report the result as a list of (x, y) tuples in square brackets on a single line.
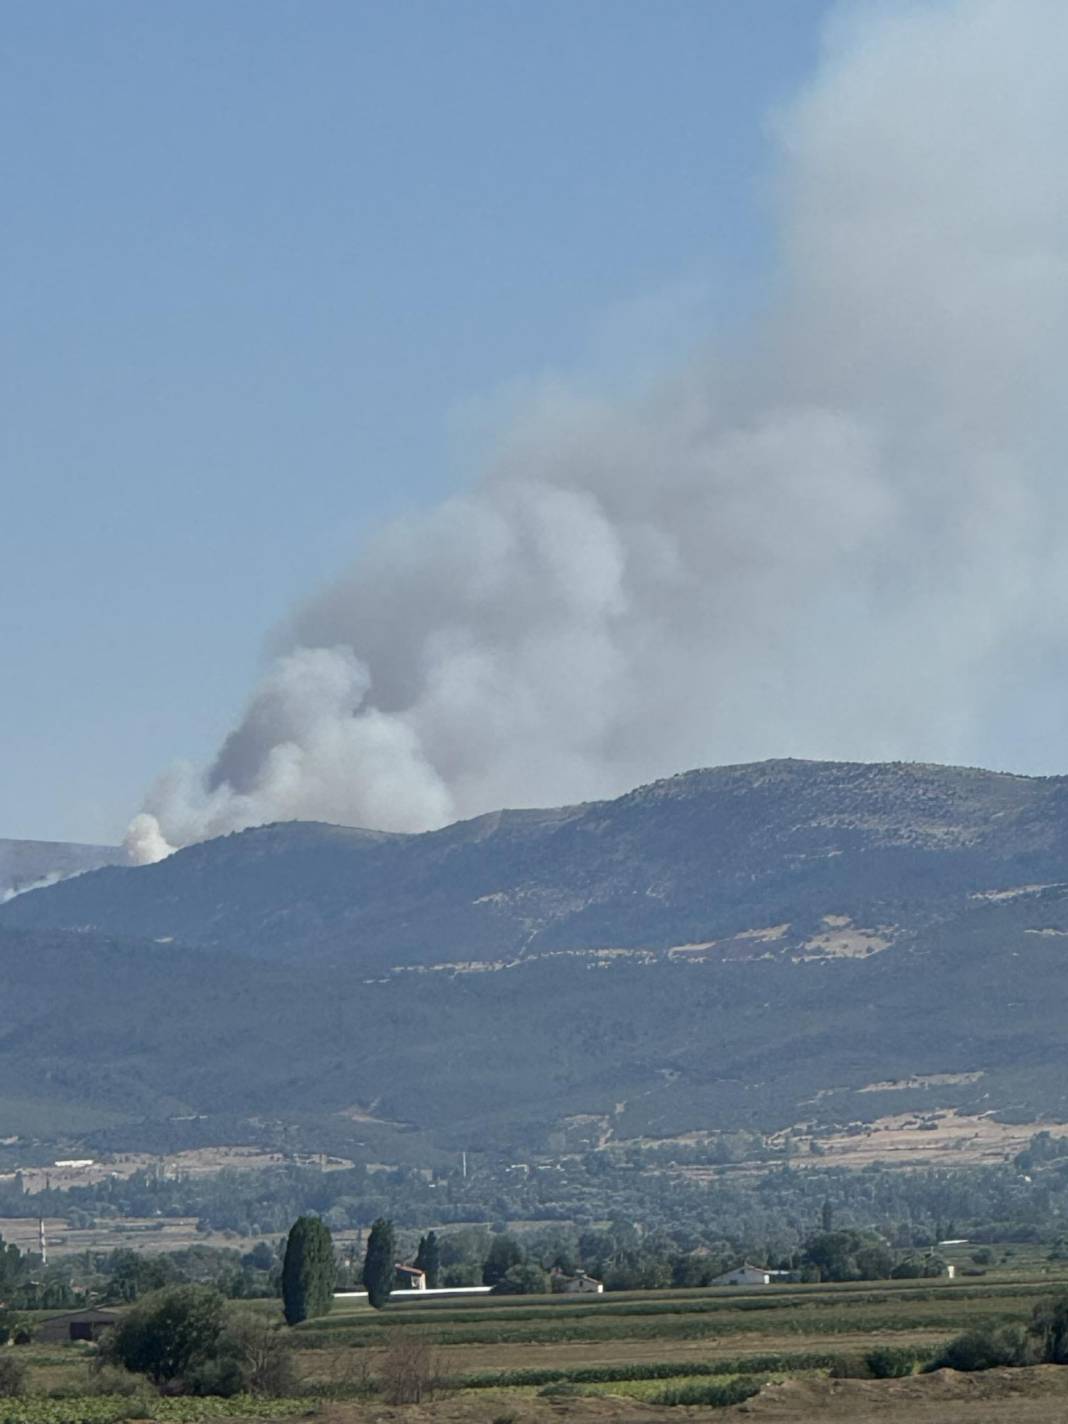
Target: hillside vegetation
[(758, 946)]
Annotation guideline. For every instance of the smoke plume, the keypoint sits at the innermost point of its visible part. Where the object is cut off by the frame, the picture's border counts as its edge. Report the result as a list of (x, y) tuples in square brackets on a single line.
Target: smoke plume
[(842, 537)]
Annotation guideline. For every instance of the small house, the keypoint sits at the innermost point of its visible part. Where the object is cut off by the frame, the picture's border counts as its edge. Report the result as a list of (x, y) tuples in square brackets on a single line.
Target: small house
[(578, 1284), (746, 1275), (410, 1278)]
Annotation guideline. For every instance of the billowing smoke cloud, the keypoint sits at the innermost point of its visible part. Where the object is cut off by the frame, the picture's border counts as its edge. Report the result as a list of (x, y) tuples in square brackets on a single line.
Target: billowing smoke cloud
[(843, 538)]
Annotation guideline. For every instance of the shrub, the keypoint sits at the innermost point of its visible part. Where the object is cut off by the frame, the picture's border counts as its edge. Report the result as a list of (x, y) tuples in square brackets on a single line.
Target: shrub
[(985, 1348), (1049, 1330), (719, 1396), (849, 1367), (409, 1372), (527, 1278), (559, 1389), (112, 1381), (257, 1354), (12, 1378), (910, 1269), (168, 1333), (218, 1375), (890, 1362)]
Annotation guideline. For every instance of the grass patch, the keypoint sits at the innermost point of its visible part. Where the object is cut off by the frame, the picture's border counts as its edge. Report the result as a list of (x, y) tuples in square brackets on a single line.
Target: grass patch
[(718, 1396), (110, 1409)]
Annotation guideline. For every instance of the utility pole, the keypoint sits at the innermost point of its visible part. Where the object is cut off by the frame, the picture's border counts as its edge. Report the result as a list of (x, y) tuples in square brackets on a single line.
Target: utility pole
[(42, 1240)]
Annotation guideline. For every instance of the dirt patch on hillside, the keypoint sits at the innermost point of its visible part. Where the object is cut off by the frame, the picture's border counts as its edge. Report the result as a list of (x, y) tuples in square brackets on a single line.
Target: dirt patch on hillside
[(944, 1136)]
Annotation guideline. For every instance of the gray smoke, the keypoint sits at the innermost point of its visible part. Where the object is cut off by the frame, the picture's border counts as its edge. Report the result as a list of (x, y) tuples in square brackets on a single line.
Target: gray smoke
[(842, 538)]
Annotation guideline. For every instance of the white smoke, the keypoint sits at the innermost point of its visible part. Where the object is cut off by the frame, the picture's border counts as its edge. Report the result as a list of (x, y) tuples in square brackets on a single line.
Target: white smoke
[(841, 539), (12, 892)]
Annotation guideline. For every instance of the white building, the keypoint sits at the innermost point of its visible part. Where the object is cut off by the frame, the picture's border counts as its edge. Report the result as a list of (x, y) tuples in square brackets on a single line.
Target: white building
[(410, 1278), (580, 1284), (747, 1275)]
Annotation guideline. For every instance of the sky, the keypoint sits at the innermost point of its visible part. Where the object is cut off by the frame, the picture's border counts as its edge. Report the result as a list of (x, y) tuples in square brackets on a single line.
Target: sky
[(272, 275), (418, 409)]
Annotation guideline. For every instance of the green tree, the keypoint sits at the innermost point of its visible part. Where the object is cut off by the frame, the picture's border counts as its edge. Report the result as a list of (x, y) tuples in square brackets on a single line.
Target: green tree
[(1049, 1330), (308, 1271), (528, 1278), (379, 1264), (504, 1253), (849, 1256), (168, 1333), (252, 1356), (428, 1258)]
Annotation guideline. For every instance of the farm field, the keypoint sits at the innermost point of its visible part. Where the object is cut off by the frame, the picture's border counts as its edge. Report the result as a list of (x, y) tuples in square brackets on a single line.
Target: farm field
[(533, 1358), (149, 1235)]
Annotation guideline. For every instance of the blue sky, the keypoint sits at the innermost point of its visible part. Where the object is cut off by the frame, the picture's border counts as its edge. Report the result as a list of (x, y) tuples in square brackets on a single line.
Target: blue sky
[(264, 268)]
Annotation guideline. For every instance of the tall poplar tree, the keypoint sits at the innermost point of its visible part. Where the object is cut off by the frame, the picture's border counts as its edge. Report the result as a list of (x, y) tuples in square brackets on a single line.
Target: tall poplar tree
[(379, 1265), (308, 1271)]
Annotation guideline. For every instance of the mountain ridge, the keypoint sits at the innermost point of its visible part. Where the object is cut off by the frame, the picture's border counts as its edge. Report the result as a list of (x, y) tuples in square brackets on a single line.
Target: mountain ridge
[(731, 947), (694, 856)]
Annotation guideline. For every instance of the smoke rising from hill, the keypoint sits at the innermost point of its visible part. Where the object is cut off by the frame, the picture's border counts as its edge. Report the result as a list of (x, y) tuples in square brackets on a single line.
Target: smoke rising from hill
[(842, 538)]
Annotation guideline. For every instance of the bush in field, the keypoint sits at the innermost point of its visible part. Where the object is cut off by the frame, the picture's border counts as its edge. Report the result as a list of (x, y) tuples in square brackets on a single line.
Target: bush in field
[(985, 1348), (1049, 1330), (251, 1356), (719, 1396), (849, 1367), (910, 1269), (409, 1369), (169, 1333), (111, 1380), (890, 1362), (12, 1378), (527, 1278)]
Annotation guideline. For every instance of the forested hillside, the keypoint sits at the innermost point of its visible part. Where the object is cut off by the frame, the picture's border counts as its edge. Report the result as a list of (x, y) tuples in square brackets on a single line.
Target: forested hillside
[(751, 947)]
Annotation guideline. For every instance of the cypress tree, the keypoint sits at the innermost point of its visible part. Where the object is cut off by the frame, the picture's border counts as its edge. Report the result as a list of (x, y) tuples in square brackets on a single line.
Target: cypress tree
[(428, 1258), (504, 1253), (379, 1265), (308, 1271)]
